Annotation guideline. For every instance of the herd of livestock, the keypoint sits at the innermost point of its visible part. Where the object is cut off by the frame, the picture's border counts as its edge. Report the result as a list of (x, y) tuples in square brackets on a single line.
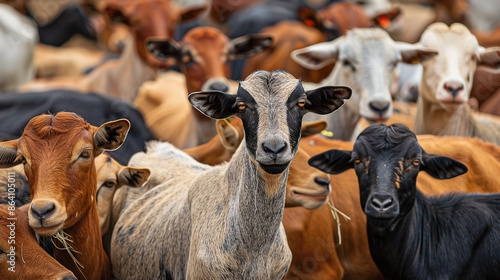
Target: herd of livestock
[(221, 140)]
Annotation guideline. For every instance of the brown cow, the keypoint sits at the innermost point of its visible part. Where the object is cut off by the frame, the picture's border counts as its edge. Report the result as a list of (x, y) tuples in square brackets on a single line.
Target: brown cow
[(58, 153), (20, 255), (204, 68)]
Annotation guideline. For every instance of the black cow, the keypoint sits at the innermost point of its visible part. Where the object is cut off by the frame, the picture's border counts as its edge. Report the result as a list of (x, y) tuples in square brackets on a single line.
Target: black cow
[(411, 235)]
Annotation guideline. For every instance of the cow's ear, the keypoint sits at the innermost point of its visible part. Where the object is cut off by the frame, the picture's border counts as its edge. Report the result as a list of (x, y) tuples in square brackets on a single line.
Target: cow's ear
[(332, 161), (111, 135), (441, 167), (133, 177), (325, 100), (164, 49), (214, 104), (313, 127), (317, 56), (8, 154), (249, 45), (414, 53)]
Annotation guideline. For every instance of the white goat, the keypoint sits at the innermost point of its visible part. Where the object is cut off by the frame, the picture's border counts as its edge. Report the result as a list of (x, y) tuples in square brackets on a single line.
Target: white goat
[(447, 81), (366, 62)]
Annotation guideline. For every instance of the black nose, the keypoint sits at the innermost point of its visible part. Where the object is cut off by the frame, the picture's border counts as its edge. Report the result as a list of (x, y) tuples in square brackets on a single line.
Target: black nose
[(453, 88), (44, 212), (325, 183), (273, 149), (382, 203), (218, 85), (379, 106)]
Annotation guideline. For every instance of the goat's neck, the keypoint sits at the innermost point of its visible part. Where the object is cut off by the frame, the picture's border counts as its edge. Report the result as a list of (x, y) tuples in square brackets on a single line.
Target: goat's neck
[(257, 199), (347, 117), (123, 77), (87, 248), (433, 119)]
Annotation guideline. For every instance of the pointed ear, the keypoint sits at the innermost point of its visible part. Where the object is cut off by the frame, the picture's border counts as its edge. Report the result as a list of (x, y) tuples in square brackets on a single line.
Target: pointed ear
[(317, 56), (111, 135), (414, 53), (441, 167), (228, 135), (8, 154), (133, 177), (325, 100), (314, 127), (214, 104), (249, 45), (164, 49), (332, 161)]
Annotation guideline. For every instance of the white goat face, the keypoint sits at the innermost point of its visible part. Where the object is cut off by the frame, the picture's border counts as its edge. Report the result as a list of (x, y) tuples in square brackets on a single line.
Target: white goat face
[(449, 74), (366, 62)]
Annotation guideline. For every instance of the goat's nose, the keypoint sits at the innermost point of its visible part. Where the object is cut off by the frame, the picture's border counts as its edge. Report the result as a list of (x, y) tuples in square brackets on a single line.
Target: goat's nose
[(43, 212), (219, 85), (379, 106), (382, 203), (274, 148), (453, 87), (324, 182)]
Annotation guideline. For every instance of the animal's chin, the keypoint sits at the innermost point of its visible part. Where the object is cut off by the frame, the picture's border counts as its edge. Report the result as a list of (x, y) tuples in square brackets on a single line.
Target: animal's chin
[(48, 231), (273, 168), (451, 105)]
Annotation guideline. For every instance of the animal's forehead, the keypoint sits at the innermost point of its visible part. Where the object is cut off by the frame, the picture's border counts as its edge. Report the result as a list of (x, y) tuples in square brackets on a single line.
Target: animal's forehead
[(367, 45), (444, 38), (263, 86), (394, 141)]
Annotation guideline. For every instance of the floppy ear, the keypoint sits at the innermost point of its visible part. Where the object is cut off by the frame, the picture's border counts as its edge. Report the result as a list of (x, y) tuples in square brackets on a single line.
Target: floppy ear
[(248, 45), (414, 53), (332, 161), (313, 127), (489, 56), (441, 167), (214, 104), (325, 100), (317, 56), (111, 135), (164, 49), (8, 154), (228, 135), (133, 176)]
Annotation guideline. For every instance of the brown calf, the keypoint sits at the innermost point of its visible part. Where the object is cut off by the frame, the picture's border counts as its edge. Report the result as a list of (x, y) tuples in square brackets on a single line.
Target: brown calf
[(58, 153), (20, 255)]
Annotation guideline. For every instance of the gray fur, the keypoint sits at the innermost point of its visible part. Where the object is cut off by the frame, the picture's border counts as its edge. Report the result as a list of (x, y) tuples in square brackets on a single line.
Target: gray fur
[(201, 222)]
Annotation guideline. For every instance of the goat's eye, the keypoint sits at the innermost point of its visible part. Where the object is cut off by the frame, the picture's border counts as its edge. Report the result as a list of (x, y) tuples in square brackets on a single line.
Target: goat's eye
[(301, 103), (349, 64), (241, 106), (22, 159), (416, 162), (109, 183), (357, 160), (85, 154)]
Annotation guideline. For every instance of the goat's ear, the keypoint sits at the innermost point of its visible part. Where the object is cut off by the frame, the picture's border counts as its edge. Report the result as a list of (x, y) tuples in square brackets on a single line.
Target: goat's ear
[(8, 154), (317, 56), (314, 127), (414, 53), (111, 135), (228, 135), (325, 100), (332, 161), (164, 49), (489, 56), (249, 45), (441, 167), (214, 104), (133, 176)]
